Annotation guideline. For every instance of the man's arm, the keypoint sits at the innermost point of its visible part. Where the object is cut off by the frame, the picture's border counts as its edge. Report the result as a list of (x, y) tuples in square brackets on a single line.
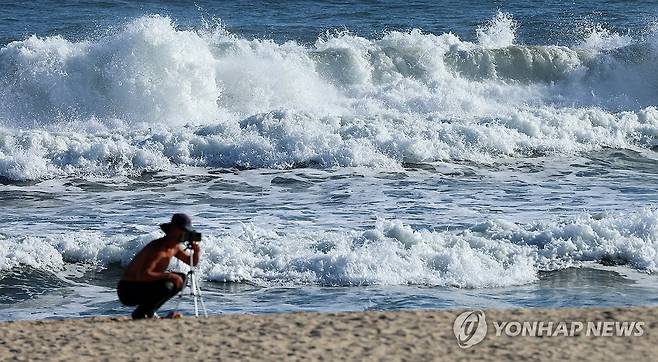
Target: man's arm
[(150, 265), (152, 272), (185, 257)]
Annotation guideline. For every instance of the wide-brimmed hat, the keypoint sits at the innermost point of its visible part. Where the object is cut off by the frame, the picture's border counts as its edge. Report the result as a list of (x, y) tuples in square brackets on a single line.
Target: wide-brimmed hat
[(180, 221)]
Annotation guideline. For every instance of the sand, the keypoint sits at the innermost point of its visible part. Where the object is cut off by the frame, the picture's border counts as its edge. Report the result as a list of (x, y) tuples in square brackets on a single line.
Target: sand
[(401, 335)]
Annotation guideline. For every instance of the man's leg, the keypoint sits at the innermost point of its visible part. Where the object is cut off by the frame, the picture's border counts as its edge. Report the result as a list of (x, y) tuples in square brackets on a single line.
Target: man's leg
[(128, 293), (154, 295), (173, 292)]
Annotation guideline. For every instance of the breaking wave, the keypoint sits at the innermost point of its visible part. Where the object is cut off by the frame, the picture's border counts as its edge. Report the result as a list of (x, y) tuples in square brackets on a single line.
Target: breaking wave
[(489, 254), (152, 96)]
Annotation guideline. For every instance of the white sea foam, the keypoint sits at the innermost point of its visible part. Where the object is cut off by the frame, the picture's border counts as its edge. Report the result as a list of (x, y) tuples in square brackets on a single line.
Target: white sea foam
[(153, 97), (493, 253)]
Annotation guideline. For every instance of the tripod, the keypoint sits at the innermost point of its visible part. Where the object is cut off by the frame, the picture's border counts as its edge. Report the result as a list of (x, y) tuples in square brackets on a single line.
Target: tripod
[(192, 284)]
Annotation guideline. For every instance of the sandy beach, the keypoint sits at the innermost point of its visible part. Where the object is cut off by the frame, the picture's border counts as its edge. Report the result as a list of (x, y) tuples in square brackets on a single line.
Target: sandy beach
[(403, 335)]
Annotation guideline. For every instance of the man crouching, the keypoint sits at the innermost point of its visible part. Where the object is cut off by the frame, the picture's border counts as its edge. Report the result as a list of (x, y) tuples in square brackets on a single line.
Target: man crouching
[(146, 283)]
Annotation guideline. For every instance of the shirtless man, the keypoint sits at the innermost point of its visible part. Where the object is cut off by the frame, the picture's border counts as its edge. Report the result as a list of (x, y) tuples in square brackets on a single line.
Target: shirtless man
[(146, 282)]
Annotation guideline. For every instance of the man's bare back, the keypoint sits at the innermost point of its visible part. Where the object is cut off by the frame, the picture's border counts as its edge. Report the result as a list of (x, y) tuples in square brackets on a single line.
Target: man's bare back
[(151, 263)]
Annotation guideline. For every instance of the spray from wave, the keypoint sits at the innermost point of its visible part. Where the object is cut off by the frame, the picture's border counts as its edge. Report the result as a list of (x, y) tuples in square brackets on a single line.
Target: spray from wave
[(154, 97)]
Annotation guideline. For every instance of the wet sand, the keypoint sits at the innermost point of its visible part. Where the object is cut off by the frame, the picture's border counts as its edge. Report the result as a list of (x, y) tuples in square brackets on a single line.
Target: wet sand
[(400, 335)]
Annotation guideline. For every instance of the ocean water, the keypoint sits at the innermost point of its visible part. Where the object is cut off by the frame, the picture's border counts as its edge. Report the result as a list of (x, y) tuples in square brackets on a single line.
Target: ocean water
[(336, 156)]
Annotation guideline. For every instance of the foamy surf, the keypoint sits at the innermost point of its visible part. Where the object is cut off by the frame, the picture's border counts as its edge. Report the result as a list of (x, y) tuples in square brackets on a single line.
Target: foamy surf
[(151, 96), (495, 253)]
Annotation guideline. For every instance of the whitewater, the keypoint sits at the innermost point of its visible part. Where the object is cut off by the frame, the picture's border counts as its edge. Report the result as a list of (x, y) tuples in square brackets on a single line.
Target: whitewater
[(407, 169), (152, 97)]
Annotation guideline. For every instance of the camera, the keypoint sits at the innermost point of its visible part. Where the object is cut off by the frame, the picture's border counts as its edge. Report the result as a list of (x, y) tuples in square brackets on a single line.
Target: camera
[(192, 237)]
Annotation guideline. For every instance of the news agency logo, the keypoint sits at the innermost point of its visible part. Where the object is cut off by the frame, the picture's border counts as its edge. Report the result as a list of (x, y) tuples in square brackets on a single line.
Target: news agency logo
[(470, 328)]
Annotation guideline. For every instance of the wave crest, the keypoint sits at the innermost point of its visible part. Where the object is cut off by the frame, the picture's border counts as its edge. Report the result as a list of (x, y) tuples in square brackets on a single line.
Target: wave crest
[(150, 97)]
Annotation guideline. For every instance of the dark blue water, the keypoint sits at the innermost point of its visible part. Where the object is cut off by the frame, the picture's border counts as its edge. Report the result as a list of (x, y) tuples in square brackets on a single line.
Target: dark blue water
[(543, 22)]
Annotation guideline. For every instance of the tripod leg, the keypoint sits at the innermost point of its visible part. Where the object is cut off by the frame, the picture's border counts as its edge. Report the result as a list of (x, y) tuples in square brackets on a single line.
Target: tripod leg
[(203, 305), (195, 291), (194, 294), (181, 294)]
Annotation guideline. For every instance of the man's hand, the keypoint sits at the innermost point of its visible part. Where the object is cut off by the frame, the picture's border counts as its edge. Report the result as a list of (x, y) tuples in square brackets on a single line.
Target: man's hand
[(185, 257), (197, 253), (176, 279)]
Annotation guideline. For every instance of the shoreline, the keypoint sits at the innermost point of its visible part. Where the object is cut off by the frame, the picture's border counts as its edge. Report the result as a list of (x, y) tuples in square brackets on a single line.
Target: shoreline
[(373, 335)]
